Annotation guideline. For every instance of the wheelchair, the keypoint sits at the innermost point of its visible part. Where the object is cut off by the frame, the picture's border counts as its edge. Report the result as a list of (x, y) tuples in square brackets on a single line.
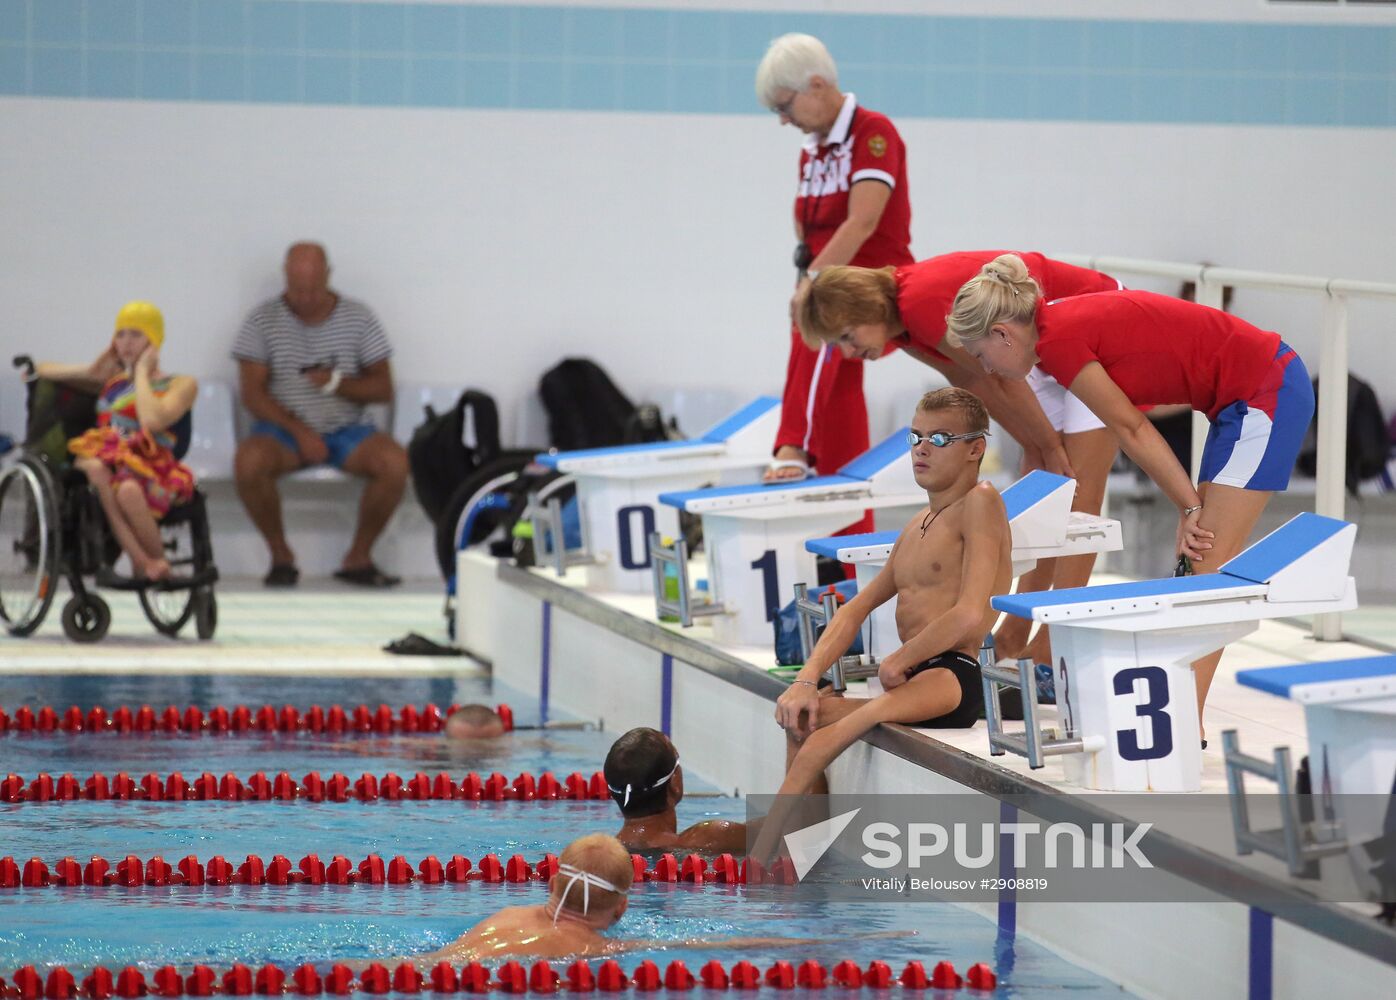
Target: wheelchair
[(52, 527)]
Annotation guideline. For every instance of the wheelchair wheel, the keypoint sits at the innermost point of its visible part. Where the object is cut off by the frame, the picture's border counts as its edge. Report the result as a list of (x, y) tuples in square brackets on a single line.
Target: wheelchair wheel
[(168, 610), (205, 612), (86, 618), (29, 543)]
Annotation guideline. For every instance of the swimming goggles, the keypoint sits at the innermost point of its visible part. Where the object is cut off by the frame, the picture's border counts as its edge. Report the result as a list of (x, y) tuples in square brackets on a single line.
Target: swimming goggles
[(626, 791), (940, 439), (575, 875)]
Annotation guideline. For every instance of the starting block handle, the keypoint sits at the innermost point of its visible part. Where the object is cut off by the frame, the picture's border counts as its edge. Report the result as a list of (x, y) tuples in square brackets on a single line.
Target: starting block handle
[(1300, 845), (682, 607), (1033, 744), (544, 510), (809, 614)]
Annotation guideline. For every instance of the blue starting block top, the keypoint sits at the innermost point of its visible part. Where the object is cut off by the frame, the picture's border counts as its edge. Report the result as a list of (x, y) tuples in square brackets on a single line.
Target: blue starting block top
[(1022, 605), (855, 474), (1017, 499), (1254, 566), (1285, 681), (832, 546), (724, 429), (1033, 488), (717, 434), (1298, 536)]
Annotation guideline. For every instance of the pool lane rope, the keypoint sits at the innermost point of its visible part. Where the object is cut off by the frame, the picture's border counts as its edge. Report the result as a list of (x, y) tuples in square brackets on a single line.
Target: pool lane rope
[(241, 720), (131, 871), (240, 980), (314, 787)]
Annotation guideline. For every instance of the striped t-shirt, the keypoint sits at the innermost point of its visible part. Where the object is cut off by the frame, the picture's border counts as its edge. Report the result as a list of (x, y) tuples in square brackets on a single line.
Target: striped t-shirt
[(350, 340)]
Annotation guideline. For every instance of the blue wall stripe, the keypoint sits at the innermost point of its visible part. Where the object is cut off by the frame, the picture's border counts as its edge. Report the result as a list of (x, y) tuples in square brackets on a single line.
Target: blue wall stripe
[(1262, 955), (597, 58), (1008, 897), (545, 665), (666, 693)]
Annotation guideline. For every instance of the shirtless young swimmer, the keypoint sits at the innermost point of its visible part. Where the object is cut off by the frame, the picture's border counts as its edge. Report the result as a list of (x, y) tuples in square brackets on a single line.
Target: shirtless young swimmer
[(588, 895), (949, 560), (645, 780)]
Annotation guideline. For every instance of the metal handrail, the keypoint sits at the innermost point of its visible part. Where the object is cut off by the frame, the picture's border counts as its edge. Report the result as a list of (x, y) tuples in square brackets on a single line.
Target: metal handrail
[(1210, 279)]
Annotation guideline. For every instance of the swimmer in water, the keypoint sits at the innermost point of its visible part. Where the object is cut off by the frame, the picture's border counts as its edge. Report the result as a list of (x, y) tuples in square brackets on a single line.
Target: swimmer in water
[(645, 780), (588, 895)]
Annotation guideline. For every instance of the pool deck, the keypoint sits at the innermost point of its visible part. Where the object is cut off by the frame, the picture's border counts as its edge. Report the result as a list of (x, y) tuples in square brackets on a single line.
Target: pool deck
[(593, 630), (324, 629)]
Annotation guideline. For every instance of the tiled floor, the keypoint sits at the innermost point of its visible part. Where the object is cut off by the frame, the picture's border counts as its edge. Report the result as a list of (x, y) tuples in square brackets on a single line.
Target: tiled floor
[(324, 629)]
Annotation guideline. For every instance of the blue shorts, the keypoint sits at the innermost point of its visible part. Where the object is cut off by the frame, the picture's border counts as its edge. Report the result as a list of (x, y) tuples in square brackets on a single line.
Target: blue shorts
[(340, 443), (1254, 443)]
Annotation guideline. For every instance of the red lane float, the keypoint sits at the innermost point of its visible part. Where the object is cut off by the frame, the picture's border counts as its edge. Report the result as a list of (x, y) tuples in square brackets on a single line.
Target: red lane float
[(314, 787), (241, 720), (131, 871), (240, 980)]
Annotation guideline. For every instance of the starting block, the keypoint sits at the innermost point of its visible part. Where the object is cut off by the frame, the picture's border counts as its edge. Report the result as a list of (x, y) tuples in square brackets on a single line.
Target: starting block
[(755, 534), (618, 490), (1350, 714), (1125, 690), (1042, 522)]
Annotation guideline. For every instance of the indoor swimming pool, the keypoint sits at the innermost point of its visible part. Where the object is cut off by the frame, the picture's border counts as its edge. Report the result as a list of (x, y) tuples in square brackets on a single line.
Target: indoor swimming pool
[(151, 926)]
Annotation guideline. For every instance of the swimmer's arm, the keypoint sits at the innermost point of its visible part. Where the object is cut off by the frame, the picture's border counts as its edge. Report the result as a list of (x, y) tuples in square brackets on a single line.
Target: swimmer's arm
[(720, 835), (985, 532), (701, 944), (159, 412), (840, 633), (90, 376)]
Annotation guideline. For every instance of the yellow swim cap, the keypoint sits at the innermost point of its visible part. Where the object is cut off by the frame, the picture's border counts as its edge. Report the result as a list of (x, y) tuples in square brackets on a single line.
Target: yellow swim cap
[(146, 318)]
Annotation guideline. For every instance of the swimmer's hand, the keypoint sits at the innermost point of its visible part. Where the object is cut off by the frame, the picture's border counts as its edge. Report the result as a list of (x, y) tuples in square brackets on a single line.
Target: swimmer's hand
[(797, 709), (891, 673)]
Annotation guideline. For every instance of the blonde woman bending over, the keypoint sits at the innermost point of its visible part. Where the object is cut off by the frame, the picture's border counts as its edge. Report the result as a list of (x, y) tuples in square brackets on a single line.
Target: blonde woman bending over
[(1116, 351)]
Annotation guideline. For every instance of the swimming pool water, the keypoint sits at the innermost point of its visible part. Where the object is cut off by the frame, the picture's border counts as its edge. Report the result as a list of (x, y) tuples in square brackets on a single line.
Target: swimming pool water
[(150, 926)]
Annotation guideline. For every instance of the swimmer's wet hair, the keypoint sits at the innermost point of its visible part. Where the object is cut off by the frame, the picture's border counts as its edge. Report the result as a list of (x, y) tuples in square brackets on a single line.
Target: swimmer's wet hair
[(598, 854), (471, 718), (477, 714), (970, 406), (843, 297), (790, 63), (1001, 291), (635, 769)]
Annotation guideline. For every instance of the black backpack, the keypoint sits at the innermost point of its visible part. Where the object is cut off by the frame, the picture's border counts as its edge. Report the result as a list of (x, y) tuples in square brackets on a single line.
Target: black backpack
[(1369, 444), (585, 409), (447, 447)]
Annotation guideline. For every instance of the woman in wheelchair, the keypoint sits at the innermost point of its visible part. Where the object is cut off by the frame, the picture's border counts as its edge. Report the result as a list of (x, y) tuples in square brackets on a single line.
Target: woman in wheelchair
[(128, 456)]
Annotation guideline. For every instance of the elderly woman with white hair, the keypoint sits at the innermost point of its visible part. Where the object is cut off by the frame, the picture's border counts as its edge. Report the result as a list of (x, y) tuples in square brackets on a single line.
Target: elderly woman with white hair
[(851, 207)]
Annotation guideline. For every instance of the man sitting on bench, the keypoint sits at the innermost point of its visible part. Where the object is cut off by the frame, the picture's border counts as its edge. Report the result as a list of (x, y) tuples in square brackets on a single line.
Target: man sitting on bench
[(949, 560)]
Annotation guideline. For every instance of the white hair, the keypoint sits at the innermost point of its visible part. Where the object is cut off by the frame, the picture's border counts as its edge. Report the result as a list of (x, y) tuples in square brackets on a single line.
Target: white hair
[(790, 63)]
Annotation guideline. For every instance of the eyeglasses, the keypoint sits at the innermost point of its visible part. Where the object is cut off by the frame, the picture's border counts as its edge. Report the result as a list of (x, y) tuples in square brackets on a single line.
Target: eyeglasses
[(939, 439), (783, 108)]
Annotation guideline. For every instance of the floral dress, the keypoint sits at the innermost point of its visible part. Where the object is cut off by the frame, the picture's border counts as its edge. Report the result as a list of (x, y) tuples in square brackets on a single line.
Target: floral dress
[(132, 453)]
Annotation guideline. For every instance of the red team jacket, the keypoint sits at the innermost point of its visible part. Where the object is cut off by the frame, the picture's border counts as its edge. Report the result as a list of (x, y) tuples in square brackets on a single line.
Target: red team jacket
[(926, 289), (822, 409)]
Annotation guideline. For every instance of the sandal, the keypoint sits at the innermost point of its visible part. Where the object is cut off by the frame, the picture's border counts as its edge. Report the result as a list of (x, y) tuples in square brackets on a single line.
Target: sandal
[(788, 463), (282, 575), (367, 576)]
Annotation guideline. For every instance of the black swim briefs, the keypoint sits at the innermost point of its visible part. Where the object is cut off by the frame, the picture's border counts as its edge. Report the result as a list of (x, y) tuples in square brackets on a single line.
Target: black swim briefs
[(966, 670), (971, 706)]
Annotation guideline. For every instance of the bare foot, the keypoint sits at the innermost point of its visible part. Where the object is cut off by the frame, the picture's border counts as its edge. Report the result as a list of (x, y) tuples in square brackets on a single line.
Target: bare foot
[(156, 570)]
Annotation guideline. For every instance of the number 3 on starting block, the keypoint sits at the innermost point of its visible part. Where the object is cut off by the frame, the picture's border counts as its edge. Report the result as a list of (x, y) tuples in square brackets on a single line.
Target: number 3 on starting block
[(1143, 718)]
